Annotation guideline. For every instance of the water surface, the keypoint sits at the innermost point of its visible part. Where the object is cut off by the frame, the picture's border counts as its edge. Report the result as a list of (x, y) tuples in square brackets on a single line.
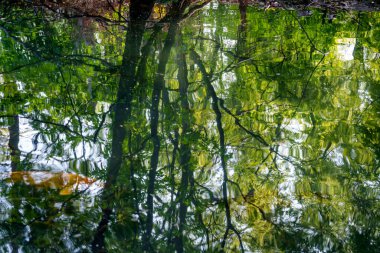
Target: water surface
[(254, 131)]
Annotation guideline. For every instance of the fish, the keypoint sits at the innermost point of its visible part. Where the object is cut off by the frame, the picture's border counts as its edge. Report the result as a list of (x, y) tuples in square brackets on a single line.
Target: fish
[(66, 183)]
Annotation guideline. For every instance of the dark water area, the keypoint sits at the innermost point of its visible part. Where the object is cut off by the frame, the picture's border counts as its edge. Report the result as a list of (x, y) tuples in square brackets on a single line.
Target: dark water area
[(230, 129)]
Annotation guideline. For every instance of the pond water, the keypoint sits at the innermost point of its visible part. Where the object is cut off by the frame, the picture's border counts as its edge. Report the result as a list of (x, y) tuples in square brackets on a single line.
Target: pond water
[(231, 130)]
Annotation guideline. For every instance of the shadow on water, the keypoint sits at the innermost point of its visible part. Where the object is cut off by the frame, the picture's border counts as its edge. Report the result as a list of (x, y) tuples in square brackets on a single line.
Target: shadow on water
[(186, 127)]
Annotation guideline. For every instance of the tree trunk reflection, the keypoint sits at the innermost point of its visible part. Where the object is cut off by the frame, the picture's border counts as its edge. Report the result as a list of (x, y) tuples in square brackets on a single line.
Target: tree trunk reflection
[(140, 11)]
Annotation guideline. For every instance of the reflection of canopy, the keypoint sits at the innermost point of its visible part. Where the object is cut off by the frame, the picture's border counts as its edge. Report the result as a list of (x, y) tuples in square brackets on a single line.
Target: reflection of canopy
[(213, 133), (65, 182)]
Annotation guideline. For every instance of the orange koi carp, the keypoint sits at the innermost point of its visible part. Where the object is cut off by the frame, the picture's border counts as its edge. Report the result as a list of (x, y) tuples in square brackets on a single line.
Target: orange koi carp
[(66, 183)]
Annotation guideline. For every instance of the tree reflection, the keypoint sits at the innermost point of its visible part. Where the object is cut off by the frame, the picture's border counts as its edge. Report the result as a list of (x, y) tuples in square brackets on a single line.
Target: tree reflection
[(230, 130), (139, 12)]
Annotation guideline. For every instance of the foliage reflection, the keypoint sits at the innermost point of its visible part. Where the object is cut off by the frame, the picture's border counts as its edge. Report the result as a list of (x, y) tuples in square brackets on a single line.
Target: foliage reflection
[(215, 128)]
